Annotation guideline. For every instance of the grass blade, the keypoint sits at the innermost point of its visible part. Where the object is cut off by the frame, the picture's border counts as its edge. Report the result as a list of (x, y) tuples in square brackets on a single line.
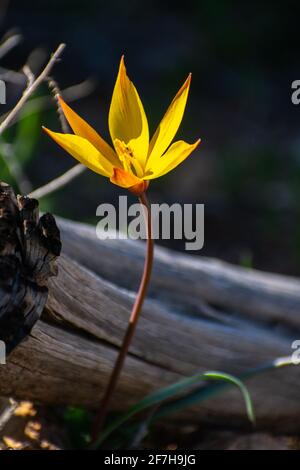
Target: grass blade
[(166, 393)]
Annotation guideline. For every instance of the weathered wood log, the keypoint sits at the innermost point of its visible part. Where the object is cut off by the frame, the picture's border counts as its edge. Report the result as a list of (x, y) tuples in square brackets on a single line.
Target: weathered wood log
[(201, 314), (28, 250)]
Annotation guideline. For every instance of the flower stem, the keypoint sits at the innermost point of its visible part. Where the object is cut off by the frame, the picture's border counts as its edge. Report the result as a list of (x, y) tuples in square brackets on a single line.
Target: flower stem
[(135, 313)]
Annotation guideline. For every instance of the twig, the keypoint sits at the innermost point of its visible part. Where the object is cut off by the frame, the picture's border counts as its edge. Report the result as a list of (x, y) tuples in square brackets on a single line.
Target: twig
[(59, 182), (76, 170), (9, 43), (29, 75), (55, 91), (7, 412), (28, 91), (11, 76), (80, 90), (71, 93)]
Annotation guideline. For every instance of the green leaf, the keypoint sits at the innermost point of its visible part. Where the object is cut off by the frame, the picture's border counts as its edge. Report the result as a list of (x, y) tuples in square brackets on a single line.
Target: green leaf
[(204, 393), (195, 396), (166, 393)]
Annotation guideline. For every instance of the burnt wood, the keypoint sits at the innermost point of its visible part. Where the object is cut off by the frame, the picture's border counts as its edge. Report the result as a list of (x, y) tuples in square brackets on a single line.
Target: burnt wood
[(29, 246)]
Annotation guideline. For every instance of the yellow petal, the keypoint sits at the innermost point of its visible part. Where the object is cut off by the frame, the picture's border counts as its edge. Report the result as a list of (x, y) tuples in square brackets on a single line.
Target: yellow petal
[(176, 154), (169, 124), (129, 181), (83, 129), (127, 119), (83, 151)]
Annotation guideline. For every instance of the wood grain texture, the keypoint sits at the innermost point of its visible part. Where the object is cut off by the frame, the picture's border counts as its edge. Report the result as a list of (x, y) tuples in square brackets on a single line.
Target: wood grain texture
[(201, 314)]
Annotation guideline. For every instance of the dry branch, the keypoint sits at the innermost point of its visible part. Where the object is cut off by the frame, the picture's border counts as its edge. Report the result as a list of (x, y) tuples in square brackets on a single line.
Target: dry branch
[(59, 182), (201, 314), (32, 86)]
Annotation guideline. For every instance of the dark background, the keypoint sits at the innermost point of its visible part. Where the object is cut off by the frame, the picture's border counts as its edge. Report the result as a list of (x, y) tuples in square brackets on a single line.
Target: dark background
[(244, 57)]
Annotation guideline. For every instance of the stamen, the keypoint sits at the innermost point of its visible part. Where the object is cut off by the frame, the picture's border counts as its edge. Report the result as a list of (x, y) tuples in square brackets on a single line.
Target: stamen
[(130, 163)]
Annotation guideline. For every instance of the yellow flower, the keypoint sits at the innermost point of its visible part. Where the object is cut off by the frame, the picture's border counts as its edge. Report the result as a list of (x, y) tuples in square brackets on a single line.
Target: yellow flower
[(134, 160)]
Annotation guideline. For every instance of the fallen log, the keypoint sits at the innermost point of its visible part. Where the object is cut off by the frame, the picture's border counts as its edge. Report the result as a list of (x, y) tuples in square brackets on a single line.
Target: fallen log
[(200, 314)]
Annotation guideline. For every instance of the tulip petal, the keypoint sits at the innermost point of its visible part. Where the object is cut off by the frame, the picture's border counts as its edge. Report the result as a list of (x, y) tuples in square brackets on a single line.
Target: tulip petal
[(175, 155), (124, 178), (83, 151), (169, 124), (127, 119), (81, 128), (129, 181)]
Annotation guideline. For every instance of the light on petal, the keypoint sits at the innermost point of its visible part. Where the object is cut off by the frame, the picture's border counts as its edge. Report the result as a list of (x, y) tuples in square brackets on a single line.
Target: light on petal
[(83, 129), (83, 151), (175, 155), (169, 124), (127, 118)]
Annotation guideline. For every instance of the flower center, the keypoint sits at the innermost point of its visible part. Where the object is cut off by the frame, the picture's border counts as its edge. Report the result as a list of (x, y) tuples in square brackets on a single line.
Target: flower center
[(128, 160)]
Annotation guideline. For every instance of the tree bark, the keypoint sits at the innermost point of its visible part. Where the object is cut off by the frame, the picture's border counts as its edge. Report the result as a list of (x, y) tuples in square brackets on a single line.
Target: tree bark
[(201, 314)]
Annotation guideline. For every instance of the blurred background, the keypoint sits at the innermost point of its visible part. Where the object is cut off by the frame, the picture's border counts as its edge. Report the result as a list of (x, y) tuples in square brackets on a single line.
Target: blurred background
[(243, 56)]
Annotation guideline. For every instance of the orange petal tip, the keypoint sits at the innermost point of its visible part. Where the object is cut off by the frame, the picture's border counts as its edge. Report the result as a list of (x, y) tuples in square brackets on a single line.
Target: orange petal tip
[(188, 80)]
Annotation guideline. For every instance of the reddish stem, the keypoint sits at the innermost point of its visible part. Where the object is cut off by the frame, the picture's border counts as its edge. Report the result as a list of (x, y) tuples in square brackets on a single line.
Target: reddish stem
[(135, 313)]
